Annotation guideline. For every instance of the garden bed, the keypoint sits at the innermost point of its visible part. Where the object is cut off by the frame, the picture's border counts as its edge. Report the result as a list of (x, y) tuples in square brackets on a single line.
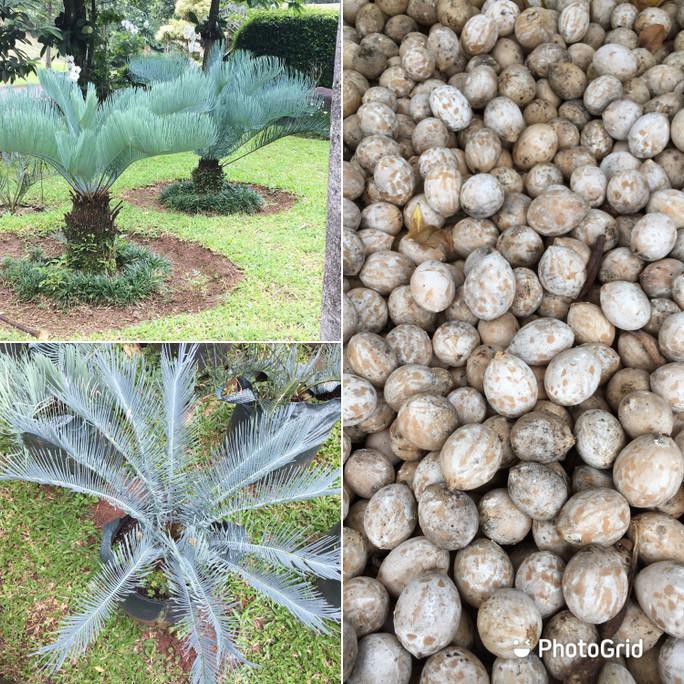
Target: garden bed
[(275, 200), (199, 280)]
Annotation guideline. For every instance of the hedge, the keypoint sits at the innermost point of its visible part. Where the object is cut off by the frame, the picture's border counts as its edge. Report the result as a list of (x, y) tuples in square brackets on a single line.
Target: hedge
[(305, 40)]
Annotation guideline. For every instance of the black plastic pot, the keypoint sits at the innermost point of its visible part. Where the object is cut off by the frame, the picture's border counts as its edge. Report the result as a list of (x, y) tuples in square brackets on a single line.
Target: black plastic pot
[(244, 410), (141, 608), (330, 588)]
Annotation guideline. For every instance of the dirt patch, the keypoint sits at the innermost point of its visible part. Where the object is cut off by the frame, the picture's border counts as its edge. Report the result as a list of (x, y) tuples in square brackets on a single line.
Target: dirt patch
[(104, 513), (147, 197), (199, 280), (172, 647)]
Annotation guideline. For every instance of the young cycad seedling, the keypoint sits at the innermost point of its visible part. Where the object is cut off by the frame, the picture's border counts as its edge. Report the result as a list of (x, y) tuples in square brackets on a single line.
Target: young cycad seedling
[(98, 421)]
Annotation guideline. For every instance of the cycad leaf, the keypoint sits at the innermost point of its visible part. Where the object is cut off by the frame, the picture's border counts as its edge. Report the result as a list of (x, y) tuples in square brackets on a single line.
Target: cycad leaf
[(133, 560)]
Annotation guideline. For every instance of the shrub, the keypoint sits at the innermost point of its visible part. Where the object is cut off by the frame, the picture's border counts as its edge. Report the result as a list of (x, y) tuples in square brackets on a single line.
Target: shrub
[(305, 40), (139, 274), (232, 199)]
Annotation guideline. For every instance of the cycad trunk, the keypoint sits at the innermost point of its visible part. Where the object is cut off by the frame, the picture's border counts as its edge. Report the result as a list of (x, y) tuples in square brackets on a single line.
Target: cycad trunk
[(208, 176), (91, 233)]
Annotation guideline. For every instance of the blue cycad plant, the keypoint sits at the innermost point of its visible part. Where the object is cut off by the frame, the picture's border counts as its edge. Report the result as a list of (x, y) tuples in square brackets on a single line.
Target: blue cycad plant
[(90, 144), (253, 102), (95, 420)]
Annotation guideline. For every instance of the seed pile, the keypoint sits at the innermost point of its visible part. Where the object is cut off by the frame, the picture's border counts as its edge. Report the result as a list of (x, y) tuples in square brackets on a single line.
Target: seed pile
[(514, 333)]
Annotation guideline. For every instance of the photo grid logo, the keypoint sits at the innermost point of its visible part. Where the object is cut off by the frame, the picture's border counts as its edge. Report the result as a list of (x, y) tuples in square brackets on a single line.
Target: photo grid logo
[(605, 648)]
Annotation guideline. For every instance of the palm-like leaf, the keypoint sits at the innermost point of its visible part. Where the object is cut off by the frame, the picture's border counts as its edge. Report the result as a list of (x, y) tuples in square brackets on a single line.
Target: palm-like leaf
[(90, 144), (253, 101), (98, 421)]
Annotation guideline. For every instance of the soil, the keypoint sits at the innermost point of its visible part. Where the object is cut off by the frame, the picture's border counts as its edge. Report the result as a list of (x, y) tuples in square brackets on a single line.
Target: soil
[(199, 280), (147, 197), (104, 513)]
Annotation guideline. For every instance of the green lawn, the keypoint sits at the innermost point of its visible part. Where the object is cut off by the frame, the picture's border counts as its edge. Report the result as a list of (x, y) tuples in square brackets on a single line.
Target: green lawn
[(280, 255), (49, 549)]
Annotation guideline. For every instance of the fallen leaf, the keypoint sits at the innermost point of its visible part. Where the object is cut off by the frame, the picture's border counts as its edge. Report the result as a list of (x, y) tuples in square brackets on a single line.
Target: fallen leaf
[(643, 4), (652, 37), (428, 236)]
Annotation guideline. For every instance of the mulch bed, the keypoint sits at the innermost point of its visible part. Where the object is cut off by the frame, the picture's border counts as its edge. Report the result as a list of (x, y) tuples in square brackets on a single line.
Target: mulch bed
[(147, 197), (199, 280)]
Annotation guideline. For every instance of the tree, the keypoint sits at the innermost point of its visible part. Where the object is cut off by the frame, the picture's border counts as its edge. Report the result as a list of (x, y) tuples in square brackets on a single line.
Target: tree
[(90, 145), (253, 101), (331, 305)]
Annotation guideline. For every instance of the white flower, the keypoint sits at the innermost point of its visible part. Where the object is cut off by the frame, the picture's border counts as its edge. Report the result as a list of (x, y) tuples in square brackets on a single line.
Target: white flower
[(146, 24), (130, 27)]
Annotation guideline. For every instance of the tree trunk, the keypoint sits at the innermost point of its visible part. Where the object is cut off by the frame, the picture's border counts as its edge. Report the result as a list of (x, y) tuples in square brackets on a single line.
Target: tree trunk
[(211, 31), (208, 177), (331, 307), (91, 233)]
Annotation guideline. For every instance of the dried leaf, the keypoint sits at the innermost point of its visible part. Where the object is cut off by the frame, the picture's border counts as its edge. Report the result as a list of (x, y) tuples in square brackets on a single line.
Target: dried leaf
[(652, 37), (428, 236), (643, 4)]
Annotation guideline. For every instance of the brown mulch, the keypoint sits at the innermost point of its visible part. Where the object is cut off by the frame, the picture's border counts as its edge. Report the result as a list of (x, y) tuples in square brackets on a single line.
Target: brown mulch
[(104, 513), (199, 280), (147, 197), (172, 647)]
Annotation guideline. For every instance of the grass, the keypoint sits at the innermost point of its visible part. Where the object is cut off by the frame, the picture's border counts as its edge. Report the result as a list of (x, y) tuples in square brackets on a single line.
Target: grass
[(49, 549), (281, 255)]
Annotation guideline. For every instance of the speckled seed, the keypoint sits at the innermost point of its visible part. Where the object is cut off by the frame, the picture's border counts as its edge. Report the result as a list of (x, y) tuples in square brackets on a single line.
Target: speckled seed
[(595, 584), (481, 195), (541, 436), (653, 236), (649, 470), (600, 437), (409, 560), (537, 489), (442, 189), (507, 621), (470, 405), (668, 382), (452, 664), (642, 412), (537, 144), (394, 180), (649, 135), (556, 211), (572, 376), (625, 305), (661, 537), (390, 516), (671, 661), (412, 379), (355, 554), (366, 604), (540, 576), (449, 519), (489, 287), (529, 669), (539, 341), (381, 658), (370, 357), (450, 105), (454, 341), (595, 516), (480, 569), (561, 271), (627, 192), (366, 471), (470, 457), (659, 588), (509, 385), (671, 337), (500, 520), (616, 60), (427, 614), (359, 400), (565, 628), (426, 420)]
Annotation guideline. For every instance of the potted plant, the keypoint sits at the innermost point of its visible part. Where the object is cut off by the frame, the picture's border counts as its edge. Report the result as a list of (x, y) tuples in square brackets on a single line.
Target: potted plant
[(126, 429), (285, 375)]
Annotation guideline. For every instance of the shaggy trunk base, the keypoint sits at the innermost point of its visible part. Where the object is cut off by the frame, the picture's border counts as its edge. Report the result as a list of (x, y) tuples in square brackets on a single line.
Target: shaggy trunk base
[(91, 232), (208, 176)]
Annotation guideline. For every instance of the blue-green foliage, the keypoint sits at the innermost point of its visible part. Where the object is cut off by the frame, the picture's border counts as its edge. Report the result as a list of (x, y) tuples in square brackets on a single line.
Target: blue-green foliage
[(91, 144), (118, 430), (253, 101)]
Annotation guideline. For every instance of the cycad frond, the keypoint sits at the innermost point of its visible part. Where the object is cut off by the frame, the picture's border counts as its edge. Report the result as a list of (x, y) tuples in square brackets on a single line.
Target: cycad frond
[(157, 67), (285, 547), (42, 467), (285, 486), (132, 561), (258, 447)]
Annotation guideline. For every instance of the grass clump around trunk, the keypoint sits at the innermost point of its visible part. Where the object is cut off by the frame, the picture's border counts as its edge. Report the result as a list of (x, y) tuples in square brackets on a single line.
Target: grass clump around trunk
[(139, 273)]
